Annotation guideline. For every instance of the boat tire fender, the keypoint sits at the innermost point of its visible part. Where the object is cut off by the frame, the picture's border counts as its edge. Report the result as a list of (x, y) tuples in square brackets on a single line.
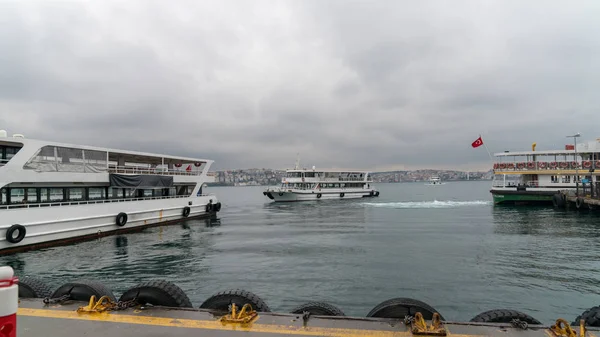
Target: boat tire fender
[(503, 316), (318, 195), (377, 193), (280, 193), (186, 211), (402, 307), (209, 207), (157, 292), (342, 195), (222, 300), (121, 219), (21, 231), (579, 203), (318, 308), (33, 287), (82, 290), (218, 206)]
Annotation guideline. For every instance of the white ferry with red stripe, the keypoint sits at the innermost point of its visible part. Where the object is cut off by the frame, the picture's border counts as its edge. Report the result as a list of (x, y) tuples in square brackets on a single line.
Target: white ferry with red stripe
[(312, 184), (530, 177), (53, 193)]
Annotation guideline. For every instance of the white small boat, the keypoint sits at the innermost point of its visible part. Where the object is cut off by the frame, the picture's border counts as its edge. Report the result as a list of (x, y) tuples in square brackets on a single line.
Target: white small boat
[(52, 193), (435, 181), (313, 184)]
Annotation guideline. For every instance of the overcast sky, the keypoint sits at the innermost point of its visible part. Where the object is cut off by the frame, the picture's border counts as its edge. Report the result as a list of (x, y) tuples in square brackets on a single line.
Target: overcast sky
[(362, 84)]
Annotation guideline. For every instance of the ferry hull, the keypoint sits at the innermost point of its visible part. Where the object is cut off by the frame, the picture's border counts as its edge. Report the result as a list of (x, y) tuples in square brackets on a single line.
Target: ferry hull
[(286, 196), (59, 225), (522, 197)]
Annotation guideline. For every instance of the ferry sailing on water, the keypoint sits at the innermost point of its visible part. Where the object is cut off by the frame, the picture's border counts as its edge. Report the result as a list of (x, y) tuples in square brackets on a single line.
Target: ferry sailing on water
[(435, 180), (52, 193), (312, 184), (537, 176)]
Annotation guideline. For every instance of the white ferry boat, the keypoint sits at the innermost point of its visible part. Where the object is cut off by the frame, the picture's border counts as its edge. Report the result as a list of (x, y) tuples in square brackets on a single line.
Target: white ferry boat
[(528, 177), (312, 184), (435, 180), (52, 193)]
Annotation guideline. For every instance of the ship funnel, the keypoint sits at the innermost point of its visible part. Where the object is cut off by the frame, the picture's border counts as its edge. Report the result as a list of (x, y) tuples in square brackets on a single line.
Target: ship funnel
[(3, 134)]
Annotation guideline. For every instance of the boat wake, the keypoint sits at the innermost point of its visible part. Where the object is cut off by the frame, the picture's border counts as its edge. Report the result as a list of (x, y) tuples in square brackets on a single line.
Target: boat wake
[(429, 204)]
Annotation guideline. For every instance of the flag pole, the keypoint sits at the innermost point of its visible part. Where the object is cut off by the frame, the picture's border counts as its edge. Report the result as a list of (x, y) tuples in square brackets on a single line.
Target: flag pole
[(486, 148)]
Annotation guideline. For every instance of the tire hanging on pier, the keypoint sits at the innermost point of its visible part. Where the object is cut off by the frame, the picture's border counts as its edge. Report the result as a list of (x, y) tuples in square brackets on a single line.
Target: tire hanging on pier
[(82, 290), (318, 308), (157, 292), (222, 300), (33, 287), (503, 316), (402, 307), (579, 203), (186, 211)]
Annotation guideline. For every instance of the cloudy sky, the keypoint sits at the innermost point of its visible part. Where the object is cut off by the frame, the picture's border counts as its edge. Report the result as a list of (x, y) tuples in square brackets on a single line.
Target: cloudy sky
[(364, 84)]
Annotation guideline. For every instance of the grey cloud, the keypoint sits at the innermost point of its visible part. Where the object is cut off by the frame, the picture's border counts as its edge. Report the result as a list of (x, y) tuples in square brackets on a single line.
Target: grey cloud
[(345, 83)]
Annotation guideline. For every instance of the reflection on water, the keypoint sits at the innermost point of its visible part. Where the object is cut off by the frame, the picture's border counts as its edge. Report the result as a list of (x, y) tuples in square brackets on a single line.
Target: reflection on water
[(447, 245)]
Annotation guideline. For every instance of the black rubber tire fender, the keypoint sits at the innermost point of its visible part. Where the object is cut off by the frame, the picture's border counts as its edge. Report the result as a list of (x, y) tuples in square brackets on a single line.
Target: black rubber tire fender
[(186, 211), (82, 290), (372, 193), (579, 203), (208, 208), (12, 229), (503, 316), (377, 193), (590, 316), (401, 307), (158, 292), (121, 219), (319, 195), (342, 195), (218, 206), (222, 300), (33, 287), (318, 308), (555, 200)]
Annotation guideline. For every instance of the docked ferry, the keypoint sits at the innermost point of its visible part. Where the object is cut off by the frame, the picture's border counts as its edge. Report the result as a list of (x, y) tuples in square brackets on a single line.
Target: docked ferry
[(313, 184), (530, 177), (52, 193)]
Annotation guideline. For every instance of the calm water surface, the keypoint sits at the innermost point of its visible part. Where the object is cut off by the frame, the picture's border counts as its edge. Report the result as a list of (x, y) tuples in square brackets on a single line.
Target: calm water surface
[(445, 245)]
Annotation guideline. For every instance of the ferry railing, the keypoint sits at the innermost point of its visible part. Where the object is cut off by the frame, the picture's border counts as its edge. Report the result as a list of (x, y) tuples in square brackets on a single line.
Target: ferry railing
[(152, 171), (99, 201)]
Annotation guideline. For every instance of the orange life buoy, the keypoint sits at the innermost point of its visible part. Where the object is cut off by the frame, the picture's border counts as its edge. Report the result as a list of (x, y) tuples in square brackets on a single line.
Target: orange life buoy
[(502, 166), (520, 165), (598, 164), (564, 164), (531, 165), (542, 164), (510, 165), (574, 164), (587, 164), (553, 164), (495, 165)]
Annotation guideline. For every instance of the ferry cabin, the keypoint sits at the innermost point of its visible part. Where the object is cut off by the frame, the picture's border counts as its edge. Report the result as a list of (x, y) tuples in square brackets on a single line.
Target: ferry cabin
[(535, 176), (51, 192), (305, 184)]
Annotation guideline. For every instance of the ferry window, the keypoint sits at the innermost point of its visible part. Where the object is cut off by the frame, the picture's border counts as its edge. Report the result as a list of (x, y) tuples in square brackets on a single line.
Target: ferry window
[(309, 174), (10, 152), (44, 195), (96, 193), (75, 193), (3, 200), (32, 195), (17, 195), (148, 193), (56, 194)]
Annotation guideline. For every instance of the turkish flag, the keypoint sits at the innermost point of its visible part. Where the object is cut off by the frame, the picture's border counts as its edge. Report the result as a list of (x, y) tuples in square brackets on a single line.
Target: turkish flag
[(478, 142)]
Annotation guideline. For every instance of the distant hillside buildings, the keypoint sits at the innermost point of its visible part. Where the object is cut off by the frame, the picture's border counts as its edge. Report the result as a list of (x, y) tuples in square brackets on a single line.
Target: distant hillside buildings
[(266, 177)]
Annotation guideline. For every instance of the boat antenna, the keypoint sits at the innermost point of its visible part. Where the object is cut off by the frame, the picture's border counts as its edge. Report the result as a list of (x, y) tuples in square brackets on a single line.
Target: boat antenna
[(297, 161)]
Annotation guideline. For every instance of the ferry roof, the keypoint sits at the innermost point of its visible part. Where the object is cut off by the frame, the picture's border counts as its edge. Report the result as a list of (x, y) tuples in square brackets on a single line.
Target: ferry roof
[(142, 157), (328, 170)]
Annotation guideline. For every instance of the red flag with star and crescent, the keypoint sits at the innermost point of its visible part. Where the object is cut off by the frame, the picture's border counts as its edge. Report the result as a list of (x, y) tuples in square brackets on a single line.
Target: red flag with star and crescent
[(477, 143)]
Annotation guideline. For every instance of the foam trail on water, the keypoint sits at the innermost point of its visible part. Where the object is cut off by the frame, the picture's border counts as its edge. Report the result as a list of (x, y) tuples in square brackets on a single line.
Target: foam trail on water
[(429, 204)]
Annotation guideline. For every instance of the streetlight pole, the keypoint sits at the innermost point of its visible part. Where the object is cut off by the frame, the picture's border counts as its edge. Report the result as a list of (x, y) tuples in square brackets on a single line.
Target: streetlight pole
[(575, 136)]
